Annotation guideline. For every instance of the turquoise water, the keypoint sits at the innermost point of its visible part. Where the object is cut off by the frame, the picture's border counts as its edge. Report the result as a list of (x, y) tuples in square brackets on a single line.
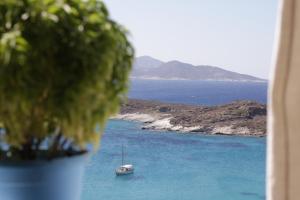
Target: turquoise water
[(173, 166)]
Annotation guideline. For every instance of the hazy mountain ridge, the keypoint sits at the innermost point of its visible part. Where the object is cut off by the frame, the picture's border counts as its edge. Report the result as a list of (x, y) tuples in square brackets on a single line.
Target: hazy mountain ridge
[(146, 67)]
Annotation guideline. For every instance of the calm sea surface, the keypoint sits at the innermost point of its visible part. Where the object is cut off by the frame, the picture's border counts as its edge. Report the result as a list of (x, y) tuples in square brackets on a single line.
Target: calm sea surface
[(176, 166), (198, 92)]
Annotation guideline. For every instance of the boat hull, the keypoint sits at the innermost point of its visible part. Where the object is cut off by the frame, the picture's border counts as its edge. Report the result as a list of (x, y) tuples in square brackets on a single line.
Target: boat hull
[(123, 173), (124, 170)]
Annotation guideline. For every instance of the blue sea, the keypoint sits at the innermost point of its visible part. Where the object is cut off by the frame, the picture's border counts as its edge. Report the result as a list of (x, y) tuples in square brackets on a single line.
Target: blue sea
[(198, 92), (178, 166)]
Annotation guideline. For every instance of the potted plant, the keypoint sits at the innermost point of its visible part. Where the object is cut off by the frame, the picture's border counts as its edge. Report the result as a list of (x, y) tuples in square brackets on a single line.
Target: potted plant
[(64, 67)]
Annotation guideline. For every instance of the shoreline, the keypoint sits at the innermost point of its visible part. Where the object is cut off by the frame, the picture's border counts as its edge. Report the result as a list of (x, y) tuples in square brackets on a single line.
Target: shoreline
[(208, 80), (240, 118)]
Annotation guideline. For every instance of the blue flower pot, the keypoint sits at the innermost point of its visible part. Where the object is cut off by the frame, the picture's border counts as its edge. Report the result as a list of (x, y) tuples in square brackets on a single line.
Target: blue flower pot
[(57, 179)]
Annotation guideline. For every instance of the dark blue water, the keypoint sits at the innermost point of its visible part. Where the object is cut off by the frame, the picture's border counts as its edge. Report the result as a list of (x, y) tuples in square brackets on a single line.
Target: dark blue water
[(172, 166), (176, 166), (198, 92)]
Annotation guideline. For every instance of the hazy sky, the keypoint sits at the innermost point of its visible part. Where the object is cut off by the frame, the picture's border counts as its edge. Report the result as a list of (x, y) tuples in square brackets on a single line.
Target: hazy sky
[(233, 34)]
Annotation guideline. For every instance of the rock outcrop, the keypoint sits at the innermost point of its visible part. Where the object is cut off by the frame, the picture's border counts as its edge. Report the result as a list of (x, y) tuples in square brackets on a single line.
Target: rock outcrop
[(237, 118)]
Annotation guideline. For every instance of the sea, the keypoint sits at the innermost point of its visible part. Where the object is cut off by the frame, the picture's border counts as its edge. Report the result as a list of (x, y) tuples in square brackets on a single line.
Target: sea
[(198, 92), (180, 166)]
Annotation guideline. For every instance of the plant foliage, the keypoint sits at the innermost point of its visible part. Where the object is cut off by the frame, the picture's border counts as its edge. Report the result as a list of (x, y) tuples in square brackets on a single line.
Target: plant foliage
[(64, 67)]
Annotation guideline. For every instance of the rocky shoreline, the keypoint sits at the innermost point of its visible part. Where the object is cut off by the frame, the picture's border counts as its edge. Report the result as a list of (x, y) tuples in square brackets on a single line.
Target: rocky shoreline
[(246, 118)]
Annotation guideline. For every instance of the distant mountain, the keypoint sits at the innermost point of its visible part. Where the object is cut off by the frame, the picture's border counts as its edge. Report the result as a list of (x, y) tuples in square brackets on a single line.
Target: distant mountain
[(146, 67)]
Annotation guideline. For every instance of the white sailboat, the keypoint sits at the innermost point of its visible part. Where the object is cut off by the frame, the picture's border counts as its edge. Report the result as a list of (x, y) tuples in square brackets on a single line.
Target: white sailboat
[(124, 169)]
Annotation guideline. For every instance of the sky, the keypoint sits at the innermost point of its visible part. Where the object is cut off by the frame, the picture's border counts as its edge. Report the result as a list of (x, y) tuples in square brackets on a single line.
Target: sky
[(236, 35)]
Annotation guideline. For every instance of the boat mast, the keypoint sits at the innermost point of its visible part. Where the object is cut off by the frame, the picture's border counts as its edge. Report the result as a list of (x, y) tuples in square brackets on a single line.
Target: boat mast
[(122, 154)]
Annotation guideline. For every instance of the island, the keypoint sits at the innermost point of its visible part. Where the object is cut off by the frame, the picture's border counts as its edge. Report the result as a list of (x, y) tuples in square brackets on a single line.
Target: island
[(245, 118), (146, 67)]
